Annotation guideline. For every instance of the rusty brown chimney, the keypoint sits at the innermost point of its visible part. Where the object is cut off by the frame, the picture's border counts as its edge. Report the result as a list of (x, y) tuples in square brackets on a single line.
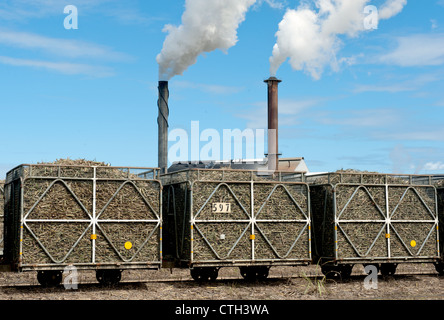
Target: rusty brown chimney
[(273, 124), (162, 123)]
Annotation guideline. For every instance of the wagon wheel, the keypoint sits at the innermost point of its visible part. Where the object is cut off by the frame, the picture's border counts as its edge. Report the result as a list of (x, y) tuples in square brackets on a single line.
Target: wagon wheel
[(330, 272), (49, 278), (212, 273), (245, 273), (109, 277), (339, 272), (439, 266), (254, 273), (202, 274), (345, 271), (388, 269)]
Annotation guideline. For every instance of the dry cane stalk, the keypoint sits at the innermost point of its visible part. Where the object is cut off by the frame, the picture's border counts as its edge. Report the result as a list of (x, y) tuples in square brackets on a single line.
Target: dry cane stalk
[(72, 200), (225, 186), (366, 200)]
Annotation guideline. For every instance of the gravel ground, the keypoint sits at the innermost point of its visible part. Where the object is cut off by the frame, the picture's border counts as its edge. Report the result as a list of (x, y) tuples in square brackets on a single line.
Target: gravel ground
[(285, 283)]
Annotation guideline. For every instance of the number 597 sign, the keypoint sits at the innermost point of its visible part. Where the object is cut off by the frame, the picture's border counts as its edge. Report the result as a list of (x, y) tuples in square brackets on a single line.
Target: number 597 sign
[(221, 207)]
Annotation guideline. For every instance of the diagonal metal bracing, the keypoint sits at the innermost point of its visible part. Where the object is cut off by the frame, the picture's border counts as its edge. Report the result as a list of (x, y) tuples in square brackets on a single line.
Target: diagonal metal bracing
[(91, 221), (47, 252), (420, 199), (211, 196), (118, 191), (389, 223), (115, 248), (435, 224), (289, 195), (292, 245), (352, 197), (99, 221), (351, 242), (251, 223), (234, 245), (25, 218)]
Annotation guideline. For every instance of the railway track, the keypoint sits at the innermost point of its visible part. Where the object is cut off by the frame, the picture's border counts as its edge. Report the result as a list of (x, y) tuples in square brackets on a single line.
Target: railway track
[(220, 281)]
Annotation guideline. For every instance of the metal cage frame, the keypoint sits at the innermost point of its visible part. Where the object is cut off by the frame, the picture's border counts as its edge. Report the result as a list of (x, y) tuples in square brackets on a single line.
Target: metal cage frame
[(413, 182), (252, 221), (93, 218)]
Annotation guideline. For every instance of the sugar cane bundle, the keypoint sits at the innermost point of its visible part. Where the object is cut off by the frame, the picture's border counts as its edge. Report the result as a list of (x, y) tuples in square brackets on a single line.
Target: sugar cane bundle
[(227, 234), (280, 240), (136, 200), (56, 238), (362, 201), (229, 175), (439, 182), (113, 241), (79, 168), (238, 195), (2, 196), (272, 202), (51, 242), (349, 176), (361, 240), (276, 238), (223, 240), (2, 204), (221, 236), (63, 192), (280, 201)]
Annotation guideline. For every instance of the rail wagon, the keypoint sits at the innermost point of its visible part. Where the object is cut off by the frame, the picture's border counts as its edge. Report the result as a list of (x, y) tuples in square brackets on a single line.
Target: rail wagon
[(440, 196), (88, 217), (376, 219), (216, 218), (2, 205)]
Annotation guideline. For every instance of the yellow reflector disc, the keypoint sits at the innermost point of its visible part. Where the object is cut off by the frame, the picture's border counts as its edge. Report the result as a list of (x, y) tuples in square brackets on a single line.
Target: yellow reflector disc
[(128, 245), (413, 243)]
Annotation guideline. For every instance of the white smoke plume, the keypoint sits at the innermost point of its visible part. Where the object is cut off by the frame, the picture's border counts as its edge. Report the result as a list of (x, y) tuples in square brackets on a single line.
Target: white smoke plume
[(207, 25), (309, 38)]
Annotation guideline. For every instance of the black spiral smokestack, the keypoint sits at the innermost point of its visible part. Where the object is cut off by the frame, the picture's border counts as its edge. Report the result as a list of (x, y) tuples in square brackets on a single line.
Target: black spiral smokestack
[(162, 123)]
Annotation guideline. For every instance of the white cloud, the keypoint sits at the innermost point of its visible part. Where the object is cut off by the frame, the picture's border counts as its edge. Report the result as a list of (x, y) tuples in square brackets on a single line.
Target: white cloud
[(417, 50), (383, 88), (433, 166), (71, 50), (362, 118), (24, 9), (434, 24), (289, 111), (61, 67), (412, 134), (60, 47), (125, 12), (275, 4), (395, 86), (209, 88)]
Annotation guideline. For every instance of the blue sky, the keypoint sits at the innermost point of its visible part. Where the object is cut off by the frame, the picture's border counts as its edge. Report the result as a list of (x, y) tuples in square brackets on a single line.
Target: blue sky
[(91, 92)]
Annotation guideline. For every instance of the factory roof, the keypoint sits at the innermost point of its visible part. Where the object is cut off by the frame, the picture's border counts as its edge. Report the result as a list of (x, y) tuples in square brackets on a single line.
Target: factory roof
[(285, 164)]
